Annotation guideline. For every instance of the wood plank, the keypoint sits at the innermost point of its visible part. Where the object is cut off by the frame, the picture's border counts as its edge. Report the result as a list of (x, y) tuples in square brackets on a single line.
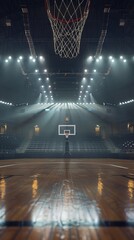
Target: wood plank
[(66, 199)]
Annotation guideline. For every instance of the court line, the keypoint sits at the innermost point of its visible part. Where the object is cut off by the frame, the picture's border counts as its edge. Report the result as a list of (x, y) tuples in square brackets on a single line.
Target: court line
[(10, 165), (118, 166), (55, 162), (105, 223)]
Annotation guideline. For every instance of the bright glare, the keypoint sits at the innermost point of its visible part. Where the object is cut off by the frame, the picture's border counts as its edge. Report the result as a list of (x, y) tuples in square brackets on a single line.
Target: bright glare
[(41, 58), (90, 58)]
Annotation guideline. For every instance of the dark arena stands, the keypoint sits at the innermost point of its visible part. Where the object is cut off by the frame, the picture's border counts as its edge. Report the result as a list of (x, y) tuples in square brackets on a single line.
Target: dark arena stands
[(67, 120)]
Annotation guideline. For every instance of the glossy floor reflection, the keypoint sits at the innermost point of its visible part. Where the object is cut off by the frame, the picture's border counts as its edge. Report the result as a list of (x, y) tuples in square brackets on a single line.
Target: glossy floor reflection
[(66, 199)]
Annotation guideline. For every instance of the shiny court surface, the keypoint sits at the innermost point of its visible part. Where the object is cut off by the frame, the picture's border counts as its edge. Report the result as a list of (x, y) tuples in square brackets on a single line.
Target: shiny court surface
[(81, 199)]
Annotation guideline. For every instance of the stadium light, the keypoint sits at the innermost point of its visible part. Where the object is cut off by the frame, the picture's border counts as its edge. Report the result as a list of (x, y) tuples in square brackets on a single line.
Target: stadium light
[(90, 58), (83, 80), (41, 58)]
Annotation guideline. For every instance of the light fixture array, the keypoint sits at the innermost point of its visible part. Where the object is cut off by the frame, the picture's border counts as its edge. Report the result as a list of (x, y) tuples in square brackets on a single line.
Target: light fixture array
[(6, 103), (45, 87), (89, 75), (126, 102)]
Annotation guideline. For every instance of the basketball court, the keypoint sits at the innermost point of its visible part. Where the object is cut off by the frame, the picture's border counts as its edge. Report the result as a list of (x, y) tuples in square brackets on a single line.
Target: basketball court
[(66, 138), (66, 199)]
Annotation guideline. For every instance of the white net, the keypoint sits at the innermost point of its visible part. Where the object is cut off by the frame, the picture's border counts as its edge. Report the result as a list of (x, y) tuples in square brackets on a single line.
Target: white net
[(67, 18)]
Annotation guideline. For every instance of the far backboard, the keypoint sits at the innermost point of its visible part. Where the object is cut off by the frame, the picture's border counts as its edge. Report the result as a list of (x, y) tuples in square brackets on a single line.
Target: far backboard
[(69, 129)]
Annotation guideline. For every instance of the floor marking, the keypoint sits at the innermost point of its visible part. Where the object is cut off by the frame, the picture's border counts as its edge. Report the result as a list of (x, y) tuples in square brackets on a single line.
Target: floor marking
[(104, 223), (4, 166), (118, 166), (56, 162)]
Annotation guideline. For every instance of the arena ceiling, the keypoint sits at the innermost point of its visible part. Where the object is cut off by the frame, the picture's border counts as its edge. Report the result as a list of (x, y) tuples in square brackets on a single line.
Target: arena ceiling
[(109, 31)]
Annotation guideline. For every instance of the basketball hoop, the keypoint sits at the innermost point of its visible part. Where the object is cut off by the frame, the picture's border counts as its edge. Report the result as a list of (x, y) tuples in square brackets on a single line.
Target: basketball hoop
[(67, 19), (66, 135)]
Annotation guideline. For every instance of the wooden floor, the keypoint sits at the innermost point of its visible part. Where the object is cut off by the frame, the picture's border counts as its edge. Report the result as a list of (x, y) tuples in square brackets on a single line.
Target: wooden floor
[(80, 199)]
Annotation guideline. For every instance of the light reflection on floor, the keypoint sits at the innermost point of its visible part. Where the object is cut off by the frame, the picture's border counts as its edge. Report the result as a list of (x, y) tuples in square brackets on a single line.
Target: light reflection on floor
[(84, 200), (66, 206)]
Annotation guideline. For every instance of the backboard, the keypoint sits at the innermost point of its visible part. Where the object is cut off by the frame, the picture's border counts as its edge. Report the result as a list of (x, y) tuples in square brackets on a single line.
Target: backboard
[(67, 129)]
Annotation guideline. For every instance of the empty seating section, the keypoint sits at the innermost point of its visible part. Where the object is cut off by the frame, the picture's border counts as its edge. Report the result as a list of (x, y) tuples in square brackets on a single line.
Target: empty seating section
[(77, 145), (42, 144), (57, 144), (9, 143), (91, 144), (125, 143)]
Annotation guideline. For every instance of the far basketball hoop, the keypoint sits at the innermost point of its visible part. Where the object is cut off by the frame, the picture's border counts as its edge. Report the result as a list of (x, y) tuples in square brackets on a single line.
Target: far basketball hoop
[(67, 130), (66, 135), (67, 19)]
